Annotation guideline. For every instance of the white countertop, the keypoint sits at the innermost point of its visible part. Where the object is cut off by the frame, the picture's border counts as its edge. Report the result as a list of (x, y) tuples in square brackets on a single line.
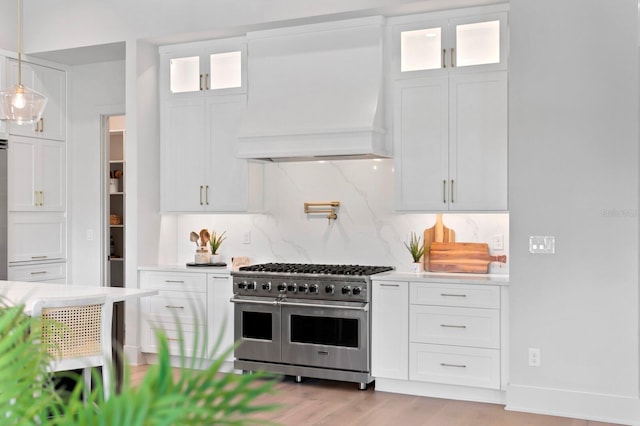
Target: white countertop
[(441, 277), (17, 292), (185, 268)]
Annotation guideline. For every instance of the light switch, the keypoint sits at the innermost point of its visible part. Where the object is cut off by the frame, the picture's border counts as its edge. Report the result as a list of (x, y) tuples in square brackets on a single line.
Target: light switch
[(542, 244), (497, 242)]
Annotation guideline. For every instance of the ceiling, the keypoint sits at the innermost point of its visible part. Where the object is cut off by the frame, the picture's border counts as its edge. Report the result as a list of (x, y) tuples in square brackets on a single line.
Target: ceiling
[(85, 55)]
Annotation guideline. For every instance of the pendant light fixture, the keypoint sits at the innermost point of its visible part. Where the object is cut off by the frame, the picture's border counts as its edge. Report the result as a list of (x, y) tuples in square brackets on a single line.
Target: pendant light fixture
[(21, 104)]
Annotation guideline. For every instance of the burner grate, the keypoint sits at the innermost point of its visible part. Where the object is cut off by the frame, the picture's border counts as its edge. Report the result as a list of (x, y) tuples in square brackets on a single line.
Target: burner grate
[(311, 268)]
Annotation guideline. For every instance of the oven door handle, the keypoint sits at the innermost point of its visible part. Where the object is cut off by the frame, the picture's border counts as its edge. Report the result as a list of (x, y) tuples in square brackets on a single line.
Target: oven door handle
[(363, 308), (254, 302)]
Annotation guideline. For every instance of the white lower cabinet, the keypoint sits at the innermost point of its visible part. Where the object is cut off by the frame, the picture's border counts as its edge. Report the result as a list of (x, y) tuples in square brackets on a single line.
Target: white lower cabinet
[(439, 339), (55, 272), (390, 330), (191, 308), (36, 237)]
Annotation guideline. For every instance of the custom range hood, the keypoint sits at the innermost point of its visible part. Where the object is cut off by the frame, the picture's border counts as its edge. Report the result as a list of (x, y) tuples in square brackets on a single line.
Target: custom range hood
[(315, 92)]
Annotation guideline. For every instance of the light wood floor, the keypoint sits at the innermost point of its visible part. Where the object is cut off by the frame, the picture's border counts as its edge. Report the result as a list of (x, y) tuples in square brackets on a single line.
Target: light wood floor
[(325, 402)]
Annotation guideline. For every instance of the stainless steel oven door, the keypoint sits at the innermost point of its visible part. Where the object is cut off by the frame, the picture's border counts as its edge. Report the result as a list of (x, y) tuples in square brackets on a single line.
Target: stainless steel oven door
[(326, 334), (257, 327)]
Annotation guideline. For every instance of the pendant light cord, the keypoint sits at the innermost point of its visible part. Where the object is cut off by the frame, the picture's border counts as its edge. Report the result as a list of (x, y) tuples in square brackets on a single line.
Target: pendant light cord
[(19, 42)]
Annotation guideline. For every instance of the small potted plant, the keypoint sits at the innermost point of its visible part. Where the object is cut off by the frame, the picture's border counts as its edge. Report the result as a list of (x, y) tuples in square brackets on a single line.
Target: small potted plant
[(416, 248), (215, 241)]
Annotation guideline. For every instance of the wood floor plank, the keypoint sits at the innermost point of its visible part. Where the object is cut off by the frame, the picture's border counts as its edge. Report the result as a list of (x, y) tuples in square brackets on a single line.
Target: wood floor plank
[(317, 402)]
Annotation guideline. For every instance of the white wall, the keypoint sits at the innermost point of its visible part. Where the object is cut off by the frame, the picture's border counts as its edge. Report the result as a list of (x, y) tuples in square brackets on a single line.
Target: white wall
[(93, 90), (573, 107)]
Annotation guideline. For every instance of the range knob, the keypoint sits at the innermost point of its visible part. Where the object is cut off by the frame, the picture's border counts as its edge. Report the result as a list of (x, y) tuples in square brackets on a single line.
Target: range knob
[(303, 288), (251, 286), (282, 287), (329, 288), (266, 286), (313, 288), (242, 286), (356, 291), (346, 289), (291, 288)]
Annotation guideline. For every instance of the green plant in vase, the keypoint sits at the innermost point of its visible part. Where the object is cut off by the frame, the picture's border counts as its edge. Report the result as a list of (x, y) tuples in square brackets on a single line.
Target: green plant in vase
[(415, 247), (215, 241)]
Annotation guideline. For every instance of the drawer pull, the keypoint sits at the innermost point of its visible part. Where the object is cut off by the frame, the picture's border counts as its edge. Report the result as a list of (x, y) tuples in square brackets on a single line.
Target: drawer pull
[(173, 339), (452, 295), (389, 285), (38, 257), (453, 326), (38, 272), (173, 307), (443, 364), (174, 281)]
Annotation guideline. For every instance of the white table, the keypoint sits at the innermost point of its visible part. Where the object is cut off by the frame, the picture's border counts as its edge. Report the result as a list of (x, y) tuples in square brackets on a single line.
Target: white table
[(17, 292)]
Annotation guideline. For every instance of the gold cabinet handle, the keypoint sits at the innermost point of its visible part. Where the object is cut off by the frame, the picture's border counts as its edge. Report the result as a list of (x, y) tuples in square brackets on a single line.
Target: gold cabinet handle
[(452, 191), (41, 124), (39, 273), (201, 203), (452, 326), (206, 81), (200, 81), (206, 195), (444, 364), (173, 307), (453, 55), (444, 191), (444, 58), (41, 198)]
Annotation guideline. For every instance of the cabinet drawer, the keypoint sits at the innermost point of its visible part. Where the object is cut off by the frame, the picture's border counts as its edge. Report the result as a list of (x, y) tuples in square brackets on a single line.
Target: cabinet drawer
[(174, 307), (174, 281), (455, 365), (454, 326), (36, 237), (472, 296), (192, 338), (39, 272)]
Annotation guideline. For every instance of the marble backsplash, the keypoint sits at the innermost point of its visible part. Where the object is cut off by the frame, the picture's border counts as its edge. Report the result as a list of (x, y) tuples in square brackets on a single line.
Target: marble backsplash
[(367, 230)]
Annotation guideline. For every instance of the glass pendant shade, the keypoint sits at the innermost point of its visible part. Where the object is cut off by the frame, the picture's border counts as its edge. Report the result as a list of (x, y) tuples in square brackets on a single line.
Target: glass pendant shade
[(21, 105)]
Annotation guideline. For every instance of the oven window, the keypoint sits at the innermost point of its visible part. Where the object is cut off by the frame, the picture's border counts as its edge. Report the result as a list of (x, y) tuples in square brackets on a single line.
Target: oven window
[(324, 331), (256, 325)]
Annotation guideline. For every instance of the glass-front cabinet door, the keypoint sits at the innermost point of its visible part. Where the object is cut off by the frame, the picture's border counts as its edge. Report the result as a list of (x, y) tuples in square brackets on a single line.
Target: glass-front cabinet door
[(448, 45), (194, 69)]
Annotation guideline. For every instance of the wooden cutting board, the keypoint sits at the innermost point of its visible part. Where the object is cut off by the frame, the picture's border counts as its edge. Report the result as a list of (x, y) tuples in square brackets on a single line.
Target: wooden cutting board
[(461, 257), (438, 233)]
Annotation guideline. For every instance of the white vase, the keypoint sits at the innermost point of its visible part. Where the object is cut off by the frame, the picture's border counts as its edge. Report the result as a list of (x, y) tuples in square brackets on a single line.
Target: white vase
[(416, 267), (216, 258)]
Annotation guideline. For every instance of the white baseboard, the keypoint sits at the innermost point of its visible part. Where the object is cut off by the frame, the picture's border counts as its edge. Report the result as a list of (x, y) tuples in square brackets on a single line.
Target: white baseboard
[(579, 405), (133, 355), (436, 390)]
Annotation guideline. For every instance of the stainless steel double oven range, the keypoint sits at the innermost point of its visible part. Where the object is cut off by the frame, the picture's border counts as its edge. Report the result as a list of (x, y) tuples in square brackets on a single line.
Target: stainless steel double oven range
[(305, 320)]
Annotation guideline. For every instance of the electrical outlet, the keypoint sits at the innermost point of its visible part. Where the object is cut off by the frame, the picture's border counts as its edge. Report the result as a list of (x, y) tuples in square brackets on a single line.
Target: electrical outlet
[(497, 242), (246, 237), (542, 245), (534, 357), (89, 234)]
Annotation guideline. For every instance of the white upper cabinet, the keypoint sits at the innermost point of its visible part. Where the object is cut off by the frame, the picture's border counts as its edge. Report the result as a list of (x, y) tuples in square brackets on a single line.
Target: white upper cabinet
[(52, 83), (449, 42), (197, 69), (36, 175), (451, 143)]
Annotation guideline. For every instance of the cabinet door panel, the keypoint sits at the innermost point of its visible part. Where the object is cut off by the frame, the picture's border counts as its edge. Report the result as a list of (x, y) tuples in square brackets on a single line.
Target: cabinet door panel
[(53, 84), (221, 319), (36, 236), (478, 141), (227, 175), (421, 138), (390, 330), (183, 159), (53, 181), (22, 166)]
